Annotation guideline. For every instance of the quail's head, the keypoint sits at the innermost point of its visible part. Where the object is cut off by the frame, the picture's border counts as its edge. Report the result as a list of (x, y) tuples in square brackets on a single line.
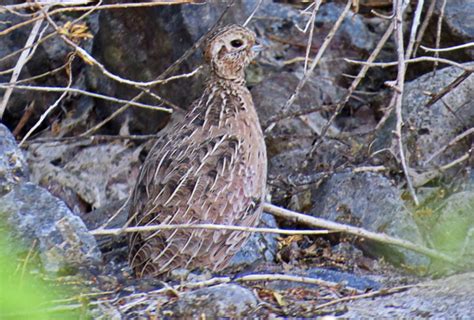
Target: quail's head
[(229, 51)]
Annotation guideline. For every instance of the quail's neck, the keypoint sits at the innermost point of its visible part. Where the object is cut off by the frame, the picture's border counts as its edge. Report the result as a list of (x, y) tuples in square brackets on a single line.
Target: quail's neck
[(238, 82)]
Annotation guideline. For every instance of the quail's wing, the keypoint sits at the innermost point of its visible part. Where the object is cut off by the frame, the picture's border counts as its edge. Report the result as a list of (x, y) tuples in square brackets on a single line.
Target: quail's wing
[(195, 181)]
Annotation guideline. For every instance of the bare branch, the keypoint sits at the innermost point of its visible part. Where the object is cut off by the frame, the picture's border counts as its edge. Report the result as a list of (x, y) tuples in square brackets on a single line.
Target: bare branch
[(398, 94), (438, 30), (451, 143), (317, 58), (51, 107), (447, 49), (259, 3), (424, 25), (371, 294), (413, 60), (354, 84), (217, 227), (379, 237), (90, 94), (19, 65), (414, 28)]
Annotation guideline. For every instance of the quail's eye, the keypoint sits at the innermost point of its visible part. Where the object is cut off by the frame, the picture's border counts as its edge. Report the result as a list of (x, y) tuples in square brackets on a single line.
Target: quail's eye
[(236, 43)]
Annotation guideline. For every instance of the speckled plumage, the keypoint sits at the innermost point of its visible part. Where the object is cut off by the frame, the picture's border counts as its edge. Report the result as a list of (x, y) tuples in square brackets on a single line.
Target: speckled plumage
[(211, 168)]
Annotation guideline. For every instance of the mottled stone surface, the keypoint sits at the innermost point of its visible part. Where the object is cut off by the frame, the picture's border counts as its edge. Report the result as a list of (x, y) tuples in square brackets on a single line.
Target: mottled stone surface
[(370, 201), (32, 215), (449, 298), (459, 18), (427, 129), (51, 53), (85, 176), (260, 247), (13, 168), (225, 300)]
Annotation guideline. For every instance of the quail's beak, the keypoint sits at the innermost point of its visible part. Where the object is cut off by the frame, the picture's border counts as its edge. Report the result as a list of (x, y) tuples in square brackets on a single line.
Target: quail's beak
[(256, 48)]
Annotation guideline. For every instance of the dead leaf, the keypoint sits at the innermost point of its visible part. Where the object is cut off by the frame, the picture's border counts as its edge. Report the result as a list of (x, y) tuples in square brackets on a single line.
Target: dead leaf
[(279, 299)]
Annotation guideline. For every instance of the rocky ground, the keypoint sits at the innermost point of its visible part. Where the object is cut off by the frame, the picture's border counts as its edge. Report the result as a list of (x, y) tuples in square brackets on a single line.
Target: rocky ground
[(75, 171)]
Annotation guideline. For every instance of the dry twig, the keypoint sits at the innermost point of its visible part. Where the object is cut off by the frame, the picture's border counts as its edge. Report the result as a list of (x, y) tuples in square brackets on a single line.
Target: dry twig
[(378, 293), (354, 84), (218, 227), (447, 49), (51, 107), (451, 143), (19, 65), (398, 94), (317, 58), (379, 237)]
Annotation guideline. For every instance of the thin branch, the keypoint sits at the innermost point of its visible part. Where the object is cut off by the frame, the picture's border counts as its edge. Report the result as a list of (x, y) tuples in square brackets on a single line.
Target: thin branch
[(19, 65), (413, 60), (359, 232), (317, 58), (451, 143), (260, 277), (354, 84), (291, 278), (51, 107), (370, 169), (91, 60), (33, 5), (75, 3), (92, 139), (90, 94), (455, 162), (447, 49), (80, 18), (398, 95), (217, 227), (438, 30), (420, 179), (95, 7), (24, 118), (414, 29), (454, 84), (257, 6), (424, 25), (39, 76), (382, 292), (311, 22)]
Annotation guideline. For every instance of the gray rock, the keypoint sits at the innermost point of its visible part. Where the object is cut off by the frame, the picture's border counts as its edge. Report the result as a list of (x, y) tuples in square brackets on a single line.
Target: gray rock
[(289, 138), (433, 127), (50, 54), (292, 132), (370, 201), (225, 300), (450, 298), (90, 175), (32, 213), (13, 168), (260, 247), (459, 19), (427, 129)]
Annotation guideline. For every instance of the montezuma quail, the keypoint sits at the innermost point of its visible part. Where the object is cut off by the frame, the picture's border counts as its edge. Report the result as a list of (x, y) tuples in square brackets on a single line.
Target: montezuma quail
[(211, 168)]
